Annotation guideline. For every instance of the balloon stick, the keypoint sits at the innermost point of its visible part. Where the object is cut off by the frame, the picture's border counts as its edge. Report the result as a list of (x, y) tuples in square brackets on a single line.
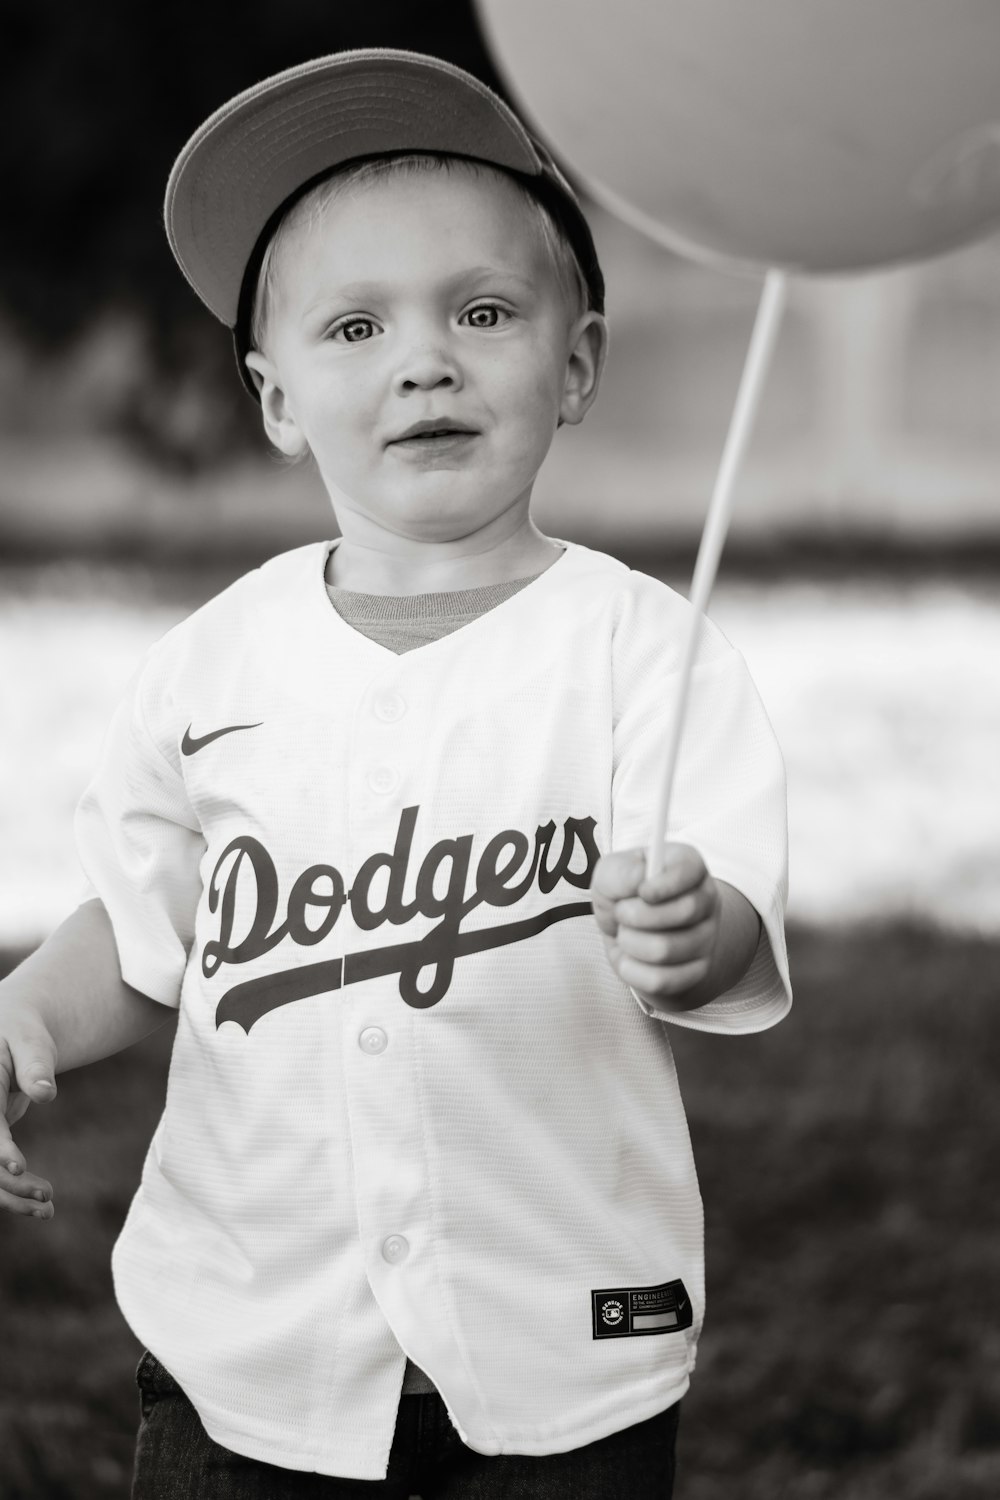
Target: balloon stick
[(713, 536)]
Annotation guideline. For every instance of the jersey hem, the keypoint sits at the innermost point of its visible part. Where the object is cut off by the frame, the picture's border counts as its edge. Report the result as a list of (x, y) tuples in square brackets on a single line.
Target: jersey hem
[(347, 1464)]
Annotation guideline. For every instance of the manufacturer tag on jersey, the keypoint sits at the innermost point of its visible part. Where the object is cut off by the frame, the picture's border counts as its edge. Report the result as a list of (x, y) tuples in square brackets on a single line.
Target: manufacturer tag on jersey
[(624, 1312)]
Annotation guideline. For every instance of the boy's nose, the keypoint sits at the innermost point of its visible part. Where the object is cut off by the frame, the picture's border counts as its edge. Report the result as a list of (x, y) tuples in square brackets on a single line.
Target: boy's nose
[(427, 367)]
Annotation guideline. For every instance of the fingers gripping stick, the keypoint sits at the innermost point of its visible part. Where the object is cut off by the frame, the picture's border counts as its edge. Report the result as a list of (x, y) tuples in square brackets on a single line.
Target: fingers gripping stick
[(713, 537)]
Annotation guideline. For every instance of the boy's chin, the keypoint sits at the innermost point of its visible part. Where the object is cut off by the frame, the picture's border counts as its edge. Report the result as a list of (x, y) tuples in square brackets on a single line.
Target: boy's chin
[(436, 510), (439, 531)]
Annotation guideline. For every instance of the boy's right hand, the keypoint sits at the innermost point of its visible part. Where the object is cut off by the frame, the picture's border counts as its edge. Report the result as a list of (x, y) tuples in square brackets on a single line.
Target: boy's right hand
[(27, 1074)]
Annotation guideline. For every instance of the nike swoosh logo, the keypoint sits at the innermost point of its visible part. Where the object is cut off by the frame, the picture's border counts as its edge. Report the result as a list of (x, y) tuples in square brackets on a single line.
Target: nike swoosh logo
[(191, 746), (682, 1303)]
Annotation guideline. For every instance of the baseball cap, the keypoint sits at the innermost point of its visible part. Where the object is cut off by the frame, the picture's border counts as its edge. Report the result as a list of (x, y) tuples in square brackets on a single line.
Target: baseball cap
[(244, 167)]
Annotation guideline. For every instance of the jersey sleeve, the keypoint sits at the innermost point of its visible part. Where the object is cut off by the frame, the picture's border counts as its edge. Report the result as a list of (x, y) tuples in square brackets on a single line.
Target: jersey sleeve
[(729, 797), (140, 845)]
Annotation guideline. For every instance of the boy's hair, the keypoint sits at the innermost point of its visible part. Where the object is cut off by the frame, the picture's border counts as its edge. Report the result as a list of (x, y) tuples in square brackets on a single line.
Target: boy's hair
[(309, 209)]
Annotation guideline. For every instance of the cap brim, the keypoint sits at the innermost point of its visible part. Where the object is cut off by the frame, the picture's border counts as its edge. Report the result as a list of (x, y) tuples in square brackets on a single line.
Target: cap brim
[(259, 148)]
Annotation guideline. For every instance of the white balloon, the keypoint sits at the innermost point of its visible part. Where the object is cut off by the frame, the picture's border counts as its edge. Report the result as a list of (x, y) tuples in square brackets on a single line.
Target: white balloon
[(812, 135)]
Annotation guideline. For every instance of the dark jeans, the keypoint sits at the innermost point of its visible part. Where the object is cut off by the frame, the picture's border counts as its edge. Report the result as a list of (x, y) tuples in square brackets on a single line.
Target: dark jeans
[(176, 1460)]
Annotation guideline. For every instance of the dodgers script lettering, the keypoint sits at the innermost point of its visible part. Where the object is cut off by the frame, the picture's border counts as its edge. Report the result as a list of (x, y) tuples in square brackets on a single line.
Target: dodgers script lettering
[(245, 881)]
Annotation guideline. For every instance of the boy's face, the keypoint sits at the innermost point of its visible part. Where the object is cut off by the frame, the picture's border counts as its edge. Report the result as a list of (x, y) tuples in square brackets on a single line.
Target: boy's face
[(421, 345)]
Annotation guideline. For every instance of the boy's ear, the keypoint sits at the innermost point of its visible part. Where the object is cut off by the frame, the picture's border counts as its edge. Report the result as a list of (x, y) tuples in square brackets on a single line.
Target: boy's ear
[(588, 351), (279, 419)]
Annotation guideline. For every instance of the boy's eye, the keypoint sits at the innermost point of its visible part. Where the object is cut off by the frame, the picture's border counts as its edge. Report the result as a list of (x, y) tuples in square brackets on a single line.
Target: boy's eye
[(355, 330), (486, 315)]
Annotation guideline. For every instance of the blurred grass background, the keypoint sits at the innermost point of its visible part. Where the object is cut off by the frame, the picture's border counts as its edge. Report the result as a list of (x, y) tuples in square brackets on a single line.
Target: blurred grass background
[(847, 1159)]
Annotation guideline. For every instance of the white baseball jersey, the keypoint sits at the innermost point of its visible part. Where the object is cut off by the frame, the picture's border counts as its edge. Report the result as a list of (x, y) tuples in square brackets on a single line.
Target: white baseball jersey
[(411, 1107)]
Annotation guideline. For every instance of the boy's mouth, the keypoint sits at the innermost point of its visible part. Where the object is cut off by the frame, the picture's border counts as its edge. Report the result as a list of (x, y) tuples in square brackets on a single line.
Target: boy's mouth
[(433, 433)]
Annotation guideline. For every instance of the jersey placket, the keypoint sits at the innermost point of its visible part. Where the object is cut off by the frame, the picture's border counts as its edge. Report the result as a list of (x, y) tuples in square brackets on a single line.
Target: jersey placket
[(387, 1138)]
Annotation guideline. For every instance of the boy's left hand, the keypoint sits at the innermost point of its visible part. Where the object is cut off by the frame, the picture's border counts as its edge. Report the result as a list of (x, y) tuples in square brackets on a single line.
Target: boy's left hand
[(660, 934)]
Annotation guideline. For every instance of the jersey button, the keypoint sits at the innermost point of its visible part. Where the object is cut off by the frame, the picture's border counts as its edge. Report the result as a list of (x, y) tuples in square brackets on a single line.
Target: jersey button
[(373, 1040), (383, 779), (390, 708), (395, 1249)]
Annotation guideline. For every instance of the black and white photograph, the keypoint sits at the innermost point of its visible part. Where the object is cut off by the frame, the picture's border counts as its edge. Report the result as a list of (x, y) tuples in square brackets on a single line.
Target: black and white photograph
[(499, 717)]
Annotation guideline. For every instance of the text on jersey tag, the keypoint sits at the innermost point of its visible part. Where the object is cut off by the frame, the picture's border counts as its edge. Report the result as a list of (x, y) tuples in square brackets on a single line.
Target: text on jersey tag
[(620, 1312)]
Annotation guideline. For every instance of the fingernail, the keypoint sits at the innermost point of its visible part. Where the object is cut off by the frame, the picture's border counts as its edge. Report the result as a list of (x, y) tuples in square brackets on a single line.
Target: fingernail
[(14, 1167), (40, 1213), (39, 1195), (44, 1083)]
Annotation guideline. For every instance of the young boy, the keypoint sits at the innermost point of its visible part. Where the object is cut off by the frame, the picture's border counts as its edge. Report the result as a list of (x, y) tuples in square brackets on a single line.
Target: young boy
[(421, 1210)]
